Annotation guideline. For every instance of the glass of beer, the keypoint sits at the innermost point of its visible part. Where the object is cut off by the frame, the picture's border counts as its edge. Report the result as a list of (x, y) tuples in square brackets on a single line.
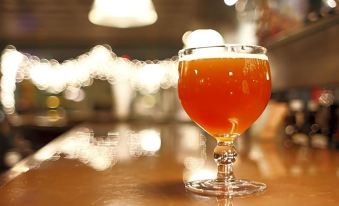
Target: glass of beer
[(224, 89)]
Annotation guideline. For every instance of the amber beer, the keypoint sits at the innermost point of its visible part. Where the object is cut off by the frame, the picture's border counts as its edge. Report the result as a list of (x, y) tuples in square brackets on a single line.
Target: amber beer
[(224, 95)]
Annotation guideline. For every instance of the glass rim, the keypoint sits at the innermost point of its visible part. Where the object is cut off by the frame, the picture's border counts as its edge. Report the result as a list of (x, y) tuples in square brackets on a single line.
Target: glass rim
[(231, 48)]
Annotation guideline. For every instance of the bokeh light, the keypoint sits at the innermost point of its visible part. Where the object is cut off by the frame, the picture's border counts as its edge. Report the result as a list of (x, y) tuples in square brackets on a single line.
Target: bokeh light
[(73, 74)]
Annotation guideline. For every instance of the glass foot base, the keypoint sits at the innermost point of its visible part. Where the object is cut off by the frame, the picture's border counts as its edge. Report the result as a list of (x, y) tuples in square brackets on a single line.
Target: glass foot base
[(233, 188)]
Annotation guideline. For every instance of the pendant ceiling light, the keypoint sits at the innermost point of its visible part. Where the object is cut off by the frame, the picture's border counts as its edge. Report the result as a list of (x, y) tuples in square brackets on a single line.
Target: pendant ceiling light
[(122, 13)]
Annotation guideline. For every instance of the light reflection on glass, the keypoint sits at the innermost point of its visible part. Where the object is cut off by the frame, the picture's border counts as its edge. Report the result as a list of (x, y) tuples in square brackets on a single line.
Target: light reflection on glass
[(225, 201)]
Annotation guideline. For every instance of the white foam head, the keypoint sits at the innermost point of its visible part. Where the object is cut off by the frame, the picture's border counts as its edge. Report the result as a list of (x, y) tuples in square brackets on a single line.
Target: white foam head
[(220, 52)]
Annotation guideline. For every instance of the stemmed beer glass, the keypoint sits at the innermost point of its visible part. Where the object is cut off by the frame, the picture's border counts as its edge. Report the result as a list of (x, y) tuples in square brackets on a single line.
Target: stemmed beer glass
[(224, 89)]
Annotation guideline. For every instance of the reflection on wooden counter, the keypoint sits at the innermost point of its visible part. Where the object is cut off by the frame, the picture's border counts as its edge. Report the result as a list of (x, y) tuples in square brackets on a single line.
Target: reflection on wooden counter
[(140, 164)]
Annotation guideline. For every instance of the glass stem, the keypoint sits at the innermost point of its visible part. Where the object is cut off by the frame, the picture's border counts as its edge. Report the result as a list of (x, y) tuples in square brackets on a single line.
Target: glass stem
[(225, 201), (225, 155)]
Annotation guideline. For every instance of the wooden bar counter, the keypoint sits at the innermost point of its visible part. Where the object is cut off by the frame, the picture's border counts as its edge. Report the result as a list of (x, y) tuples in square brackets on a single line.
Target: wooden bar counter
[(145, 164)]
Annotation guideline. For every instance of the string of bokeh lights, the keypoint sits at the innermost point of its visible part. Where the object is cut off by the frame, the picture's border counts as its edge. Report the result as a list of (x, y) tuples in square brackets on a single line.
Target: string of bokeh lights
[(100, 62)]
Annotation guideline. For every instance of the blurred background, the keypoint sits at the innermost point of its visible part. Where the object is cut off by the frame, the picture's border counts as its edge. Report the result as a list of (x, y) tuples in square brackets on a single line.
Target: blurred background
[(69, 61)]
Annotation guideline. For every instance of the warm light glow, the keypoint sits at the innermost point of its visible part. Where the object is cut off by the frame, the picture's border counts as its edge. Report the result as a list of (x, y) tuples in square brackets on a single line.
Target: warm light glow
[(194, 163), (247, 33), (11, 158), (326, 98), (201, 175), (150, 140), (102, 152), (331, 3), (71, 75), (96, 152), (122, 95), (230, 2), (202, 37), (74, 94), (122, 13), (11, 61), (20, 167), (52, 102), (191, 139), (45, 153), (149, 78)]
